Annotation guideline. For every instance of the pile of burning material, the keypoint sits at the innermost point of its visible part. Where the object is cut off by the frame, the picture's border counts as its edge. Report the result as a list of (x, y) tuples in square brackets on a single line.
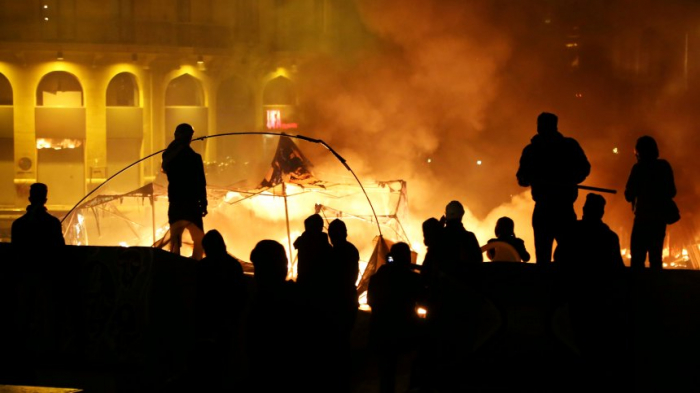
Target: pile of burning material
[(268, 202)]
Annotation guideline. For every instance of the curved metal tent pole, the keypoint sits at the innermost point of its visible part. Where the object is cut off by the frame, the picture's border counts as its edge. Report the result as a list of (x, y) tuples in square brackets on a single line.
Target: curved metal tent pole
[(202, 138)]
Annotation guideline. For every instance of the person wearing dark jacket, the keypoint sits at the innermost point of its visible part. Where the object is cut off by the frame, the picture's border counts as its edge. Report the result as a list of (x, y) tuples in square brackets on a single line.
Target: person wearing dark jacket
[(37, 228), (342, 274), (187, 190), (287, 340), (393, 294), (505, 232), (313, 253), (590, 244), (219, 303), (650, 189), (459, 248), (552, 165), (593, 286)]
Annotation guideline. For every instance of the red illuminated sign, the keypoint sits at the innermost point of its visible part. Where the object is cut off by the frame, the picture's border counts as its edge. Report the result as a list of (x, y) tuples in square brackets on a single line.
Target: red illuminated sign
[(274, 121)]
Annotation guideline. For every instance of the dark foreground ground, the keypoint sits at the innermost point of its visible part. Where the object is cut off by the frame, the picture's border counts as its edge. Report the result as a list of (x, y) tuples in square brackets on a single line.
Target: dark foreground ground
[(109, 319)]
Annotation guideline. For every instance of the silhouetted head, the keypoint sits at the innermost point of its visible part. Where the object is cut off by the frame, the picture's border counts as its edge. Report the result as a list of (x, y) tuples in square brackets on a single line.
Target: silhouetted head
[(269, 262), (431, 231), (646, 149), (213, 243), (454, 211), (38, 193), (505, 227), (401, 253), (337, 231), (184, 132), (313, 223), (594, 208), (547, 123)]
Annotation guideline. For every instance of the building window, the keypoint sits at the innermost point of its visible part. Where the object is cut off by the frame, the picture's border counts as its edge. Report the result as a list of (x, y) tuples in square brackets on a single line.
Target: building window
[(123, 91), (59, 89)]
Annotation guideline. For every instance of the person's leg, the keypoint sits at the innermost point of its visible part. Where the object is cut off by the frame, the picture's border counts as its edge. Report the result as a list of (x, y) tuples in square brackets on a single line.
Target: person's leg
[(657, 233), (544, 237), (176, 230), (638, 245), (563, 218), (197, 235)]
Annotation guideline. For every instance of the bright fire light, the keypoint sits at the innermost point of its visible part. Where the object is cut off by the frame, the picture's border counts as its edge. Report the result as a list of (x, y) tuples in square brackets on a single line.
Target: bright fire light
[(57, 144)]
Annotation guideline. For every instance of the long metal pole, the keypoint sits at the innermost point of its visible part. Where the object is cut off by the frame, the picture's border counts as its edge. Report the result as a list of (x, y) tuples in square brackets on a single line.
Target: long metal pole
[(286, 216)]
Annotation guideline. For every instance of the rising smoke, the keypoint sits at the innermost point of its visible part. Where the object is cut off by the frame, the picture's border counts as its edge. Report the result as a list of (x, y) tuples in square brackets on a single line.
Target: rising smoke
[(425, 90)]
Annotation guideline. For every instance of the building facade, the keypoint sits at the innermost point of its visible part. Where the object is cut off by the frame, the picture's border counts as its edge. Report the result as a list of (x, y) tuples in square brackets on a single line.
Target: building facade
[(88, 87)]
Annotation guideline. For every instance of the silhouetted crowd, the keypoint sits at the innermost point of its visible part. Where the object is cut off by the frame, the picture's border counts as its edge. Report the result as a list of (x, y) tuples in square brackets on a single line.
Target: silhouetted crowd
[(297, 333)]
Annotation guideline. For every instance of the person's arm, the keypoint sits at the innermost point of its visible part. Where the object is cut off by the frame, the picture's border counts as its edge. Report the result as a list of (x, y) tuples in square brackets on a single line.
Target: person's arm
[(581, 167), (616, 253), (474, 248), (203, 202), (632, 185), (670, 182), (524, 255), (524, 174), (58, 233)]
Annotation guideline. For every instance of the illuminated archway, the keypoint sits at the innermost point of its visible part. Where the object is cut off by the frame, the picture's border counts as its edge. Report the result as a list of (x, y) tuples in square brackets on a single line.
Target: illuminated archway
[(185, 103), (60, 137), (235, 112), (279, 91), (279, 104), (123, 90), (59, 89), (185, 90), (7, 189), (124, 129), (5, 91)]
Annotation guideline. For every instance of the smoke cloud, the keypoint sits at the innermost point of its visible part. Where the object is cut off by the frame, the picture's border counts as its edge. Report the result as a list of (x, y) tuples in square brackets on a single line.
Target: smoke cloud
[(445, 95)]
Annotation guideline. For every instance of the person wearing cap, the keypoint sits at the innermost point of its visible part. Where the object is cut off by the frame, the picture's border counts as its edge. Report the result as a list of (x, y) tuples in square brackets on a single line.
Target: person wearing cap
[(187, 192), (460, 247), (37, 228), (552, 165)]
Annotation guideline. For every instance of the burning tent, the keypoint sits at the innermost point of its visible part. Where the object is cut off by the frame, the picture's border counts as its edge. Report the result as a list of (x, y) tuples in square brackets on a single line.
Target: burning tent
[(249, 202)]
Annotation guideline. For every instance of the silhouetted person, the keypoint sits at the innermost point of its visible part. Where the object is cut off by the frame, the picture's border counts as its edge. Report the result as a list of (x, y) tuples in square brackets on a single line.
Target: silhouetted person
[(424, 366), (314, 251), (187, 190), (460, 248), (650, 187), (432, 236), (218, 305), (41, 283), (287, 339), (552, 165), (274, 324), (393, 293), (505, 232), (590, 244), (37, 229), (343, 270), (592, 283)]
